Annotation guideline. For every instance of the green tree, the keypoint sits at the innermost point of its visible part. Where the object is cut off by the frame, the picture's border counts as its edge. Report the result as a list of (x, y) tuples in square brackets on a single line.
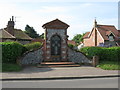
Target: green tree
[(78, 38), (30, 31), (42, 36)]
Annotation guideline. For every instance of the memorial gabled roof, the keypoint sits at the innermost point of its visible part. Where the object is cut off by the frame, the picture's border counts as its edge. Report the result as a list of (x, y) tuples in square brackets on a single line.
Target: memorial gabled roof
[(55, 24)]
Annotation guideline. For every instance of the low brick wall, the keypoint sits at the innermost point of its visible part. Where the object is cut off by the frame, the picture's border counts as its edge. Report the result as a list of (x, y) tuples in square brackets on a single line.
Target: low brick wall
[(77, 57), (32, 57)]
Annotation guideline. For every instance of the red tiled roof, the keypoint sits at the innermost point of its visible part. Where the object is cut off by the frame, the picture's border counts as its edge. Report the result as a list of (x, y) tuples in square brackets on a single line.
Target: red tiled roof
[(71, 42), (106, 30), (38, 40), (56, 24), (86, 35)]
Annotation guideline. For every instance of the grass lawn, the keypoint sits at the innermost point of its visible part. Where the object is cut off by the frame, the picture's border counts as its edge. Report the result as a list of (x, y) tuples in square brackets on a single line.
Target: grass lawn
[(6, 67), (109, 65)]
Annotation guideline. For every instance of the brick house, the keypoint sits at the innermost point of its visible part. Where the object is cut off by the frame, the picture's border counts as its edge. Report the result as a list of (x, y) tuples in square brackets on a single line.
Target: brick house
[(11, 34), (102, 35)]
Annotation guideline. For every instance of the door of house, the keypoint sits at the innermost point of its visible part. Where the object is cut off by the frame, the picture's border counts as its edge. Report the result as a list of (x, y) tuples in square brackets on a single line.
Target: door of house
[(56, 48)]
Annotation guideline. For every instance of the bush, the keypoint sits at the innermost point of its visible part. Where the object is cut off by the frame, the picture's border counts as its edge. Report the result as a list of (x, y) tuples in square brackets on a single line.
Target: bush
[(11, 51), (32, 46), (71, 46), (106, 54)]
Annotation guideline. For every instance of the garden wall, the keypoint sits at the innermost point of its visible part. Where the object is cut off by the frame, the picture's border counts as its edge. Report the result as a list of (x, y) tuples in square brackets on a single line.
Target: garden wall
[(32, 57), (77, 57)]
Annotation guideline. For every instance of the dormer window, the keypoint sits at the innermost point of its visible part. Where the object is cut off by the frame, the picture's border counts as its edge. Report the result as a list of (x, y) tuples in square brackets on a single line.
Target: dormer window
[(111, 38)]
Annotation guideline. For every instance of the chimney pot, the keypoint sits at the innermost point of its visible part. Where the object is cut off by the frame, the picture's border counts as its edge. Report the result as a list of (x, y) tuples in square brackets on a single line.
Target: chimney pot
[(12, 18), (95, 23)]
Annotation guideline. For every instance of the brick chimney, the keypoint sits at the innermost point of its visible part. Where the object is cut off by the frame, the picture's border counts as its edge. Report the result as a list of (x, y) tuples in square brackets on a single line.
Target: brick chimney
[(10, 26)]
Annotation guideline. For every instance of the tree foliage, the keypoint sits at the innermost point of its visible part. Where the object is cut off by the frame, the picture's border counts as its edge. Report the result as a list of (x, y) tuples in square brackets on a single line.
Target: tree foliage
[(78, 38), (30, 31), (42, 36)]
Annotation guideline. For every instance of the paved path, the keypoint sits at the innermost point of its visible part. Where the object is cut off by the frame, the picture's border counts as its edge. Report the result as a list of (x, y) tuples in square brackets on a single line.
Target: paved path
[(34, 72)]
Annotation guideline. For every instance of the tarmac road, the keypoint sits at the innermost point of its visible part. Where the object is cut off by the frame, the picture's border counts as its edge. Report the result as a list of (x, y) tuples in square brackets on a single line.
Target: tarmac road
[(70, 83)]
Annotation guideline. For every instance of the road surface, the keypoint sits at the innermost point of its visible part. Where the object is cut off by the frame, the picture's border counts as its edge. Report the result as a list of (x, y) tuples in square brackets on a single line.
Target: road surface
[(69, 83)]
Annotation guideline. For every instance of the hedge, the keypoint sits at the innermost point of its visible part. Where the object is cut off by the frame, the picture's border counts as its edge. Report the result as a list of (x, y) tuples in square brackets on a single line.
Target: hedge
[(110, 54), (107, 54), (11, 51), (32, 46), (91, 51)]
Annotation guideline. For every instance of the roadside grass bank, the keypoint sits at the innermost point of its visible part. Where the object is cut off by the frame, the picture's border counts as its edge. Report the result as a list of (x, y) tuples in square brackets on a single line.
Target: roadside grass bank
[(109, 65), (7, 67)]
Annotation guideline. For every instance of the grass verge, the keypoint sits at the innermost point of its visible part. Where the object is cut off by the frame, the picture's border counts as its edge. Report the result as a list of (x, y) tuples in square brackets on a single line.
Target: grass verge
[(109, 65), (6, 67)]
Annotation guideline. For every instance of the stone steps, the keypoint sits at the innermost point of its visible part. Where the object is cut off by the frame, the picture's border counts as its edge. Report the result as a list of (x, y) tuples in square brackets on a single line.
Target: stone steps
[(58, 64)]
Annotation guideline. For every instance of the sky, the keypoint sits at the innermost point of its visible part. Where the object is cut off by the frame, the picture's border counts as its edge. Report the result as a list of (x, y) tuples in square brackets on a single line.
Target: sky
[(79, 14)]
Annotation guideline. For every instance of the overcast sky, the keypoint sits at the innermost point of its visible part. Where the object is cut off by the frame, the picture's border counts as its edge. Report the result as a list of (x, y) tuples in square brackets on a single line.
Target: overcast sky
[(78, 14)]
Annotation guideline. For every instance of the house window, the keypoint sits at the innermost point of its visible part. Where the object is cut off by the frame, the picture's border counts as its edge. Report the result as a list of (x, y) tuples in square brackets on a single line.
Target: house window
[(111, 38)]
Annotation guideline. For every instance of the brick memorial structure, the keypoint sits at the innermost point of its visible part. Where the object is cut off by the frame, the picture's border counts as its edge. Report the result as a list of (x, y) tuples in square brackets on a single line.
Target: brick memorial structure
[(55, 47)]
